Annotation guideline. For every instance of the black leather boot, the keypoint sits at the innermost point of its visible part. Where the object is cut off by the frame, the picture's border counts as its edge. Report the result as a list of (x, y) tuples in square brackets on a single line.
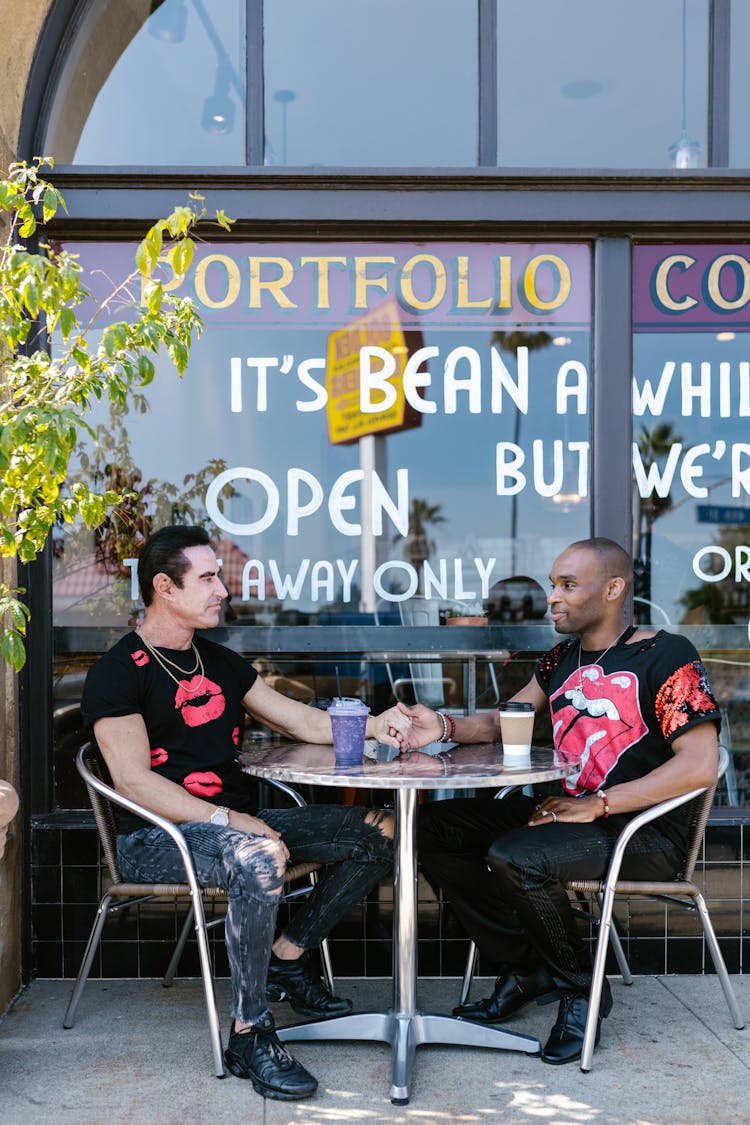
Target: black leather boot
[(513, 989), (565, 1042), (296, 982)]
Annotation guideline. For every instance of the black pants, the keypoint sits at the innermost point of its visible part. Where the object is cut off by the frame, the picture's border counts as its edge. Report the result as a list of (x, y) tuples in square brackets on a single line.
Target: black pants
[(504, 880)]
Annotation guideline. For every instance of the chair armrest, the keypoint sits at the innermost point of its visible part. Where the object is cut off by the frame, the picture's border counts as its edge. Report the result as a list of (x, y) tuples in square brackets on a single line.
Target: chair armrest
[(643, 818), (150, 817)]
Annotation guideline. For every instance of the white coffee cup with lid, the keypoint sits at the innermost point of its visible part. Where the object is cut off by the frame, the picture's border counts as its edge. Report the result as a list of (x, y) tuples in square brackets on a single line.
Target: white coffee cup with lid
[(516, 731)]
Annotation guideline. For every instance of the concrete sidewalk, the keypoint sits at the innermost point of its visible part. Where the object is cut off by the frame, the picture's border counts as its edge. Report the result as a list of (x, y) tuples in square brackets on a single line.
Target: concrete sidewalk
[(140, 1055)]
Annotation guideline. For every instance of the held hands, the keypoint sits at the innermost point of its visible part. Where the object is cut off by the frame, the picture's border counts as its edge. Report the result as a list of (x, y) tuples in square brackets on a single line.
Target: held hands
[(569, 810), (391, 727), (424, 726)]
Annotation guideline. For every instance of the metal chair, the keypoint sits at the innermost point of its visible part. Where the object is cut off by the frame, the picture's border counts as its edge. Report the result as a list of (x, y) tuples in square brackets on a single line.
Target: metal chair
[(120, 894), (681, 891)]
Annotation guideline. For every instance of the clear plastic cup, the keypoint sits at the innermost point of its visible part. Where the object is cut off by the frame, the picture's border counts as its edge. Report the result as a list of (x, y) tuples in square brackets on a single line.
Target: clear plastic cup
[(348, 725)]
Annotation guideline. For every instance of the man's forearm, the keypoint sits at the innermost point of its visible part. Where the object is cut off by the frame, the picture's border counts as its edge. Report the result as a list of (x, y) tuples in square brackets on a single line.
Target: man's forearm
[(165, 798), (692, 767), (481, 727)]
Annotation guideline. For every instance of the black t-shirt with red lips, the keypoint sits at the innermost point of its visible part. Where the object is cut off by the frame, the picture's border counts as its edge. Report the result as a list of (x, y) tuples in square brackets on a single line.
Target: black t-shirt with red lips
[(619, 713), (193, 722)]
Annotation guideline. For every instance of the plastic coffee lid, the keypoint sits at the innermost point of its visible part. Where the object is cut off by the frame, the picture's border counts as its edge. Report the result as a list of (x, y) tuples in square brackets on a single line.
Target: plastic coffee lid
[(345, 703), (516, 705)]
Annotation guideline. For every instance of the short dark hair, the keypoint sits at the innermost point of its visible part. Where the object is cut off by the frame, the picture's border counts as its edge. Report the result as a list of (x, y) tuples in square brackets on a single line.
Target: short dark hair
[(163, 553), (615, 560)]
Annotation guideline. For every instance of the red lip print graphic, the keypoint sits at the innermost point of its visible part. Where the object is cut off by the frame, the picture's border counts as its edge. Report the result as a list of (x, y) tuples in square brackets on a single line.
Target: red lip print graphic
[(199, 700), (139, 657), (595, 724), (236, 736), (158, 756), (203, 784)]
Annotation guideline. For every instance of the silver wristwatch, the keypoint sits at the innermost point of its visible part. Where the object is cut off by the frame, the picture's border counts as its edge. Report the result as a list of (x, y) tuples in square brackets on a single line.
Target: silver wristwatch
[(220, 816)]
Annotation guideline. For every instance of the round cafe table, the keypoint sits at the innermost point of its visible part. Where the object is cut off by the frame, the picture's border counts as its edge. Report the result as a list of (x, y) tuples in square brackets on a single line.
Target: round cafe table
[(469, 767)]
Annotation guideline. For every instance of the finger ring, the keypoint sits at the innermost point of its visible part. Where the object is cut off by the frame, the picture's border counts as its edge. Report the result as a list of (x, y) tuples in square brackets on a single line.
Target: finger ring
[(545, 812), (554, 818)]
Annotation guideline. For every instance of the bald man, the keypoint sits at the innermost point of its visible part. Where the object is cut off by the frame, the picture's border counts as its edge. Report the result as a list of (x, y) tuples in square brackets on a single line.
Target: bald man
[(632, 708)]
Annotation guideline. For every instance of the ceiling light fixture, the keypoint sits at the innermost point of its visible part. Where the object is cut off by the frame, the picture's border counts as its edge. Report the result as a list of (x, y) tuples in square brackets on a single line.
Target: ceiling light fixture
[(167, 20), (686, 152), (218, 108)]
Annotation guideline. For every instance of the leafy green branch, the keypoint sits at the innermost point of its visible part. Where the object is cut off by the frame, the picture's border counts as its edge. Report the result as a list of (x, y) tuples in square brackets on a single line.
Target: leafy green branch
[(45, 394)]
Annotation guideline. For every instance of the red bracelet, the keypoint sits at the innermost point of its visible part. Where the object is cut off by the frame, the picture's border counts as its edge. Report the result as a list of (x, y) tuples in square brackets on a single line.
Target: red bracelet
[(603, 795)]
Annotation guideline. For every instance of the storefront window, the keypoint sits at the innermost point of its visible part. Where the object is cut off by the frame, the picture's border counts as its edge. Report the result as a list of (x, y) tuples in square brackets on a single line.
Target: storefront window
[(161, 90), (592, 85), (691, 461), (388, 83), (360, 424), (376, 84), (739, 86)]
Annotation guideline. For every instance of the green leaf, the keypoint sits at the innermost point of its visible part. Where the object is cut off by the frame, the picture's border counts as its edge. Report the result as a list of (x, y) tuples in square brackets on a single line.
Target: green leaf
[(178, 353), (181, 255), (151, 248), (143, 260), (146, 370), (26, 550), (12, 649), (18, 614), (67, 322), (223, 221), (154, 297), (28, 226), (50, 203)]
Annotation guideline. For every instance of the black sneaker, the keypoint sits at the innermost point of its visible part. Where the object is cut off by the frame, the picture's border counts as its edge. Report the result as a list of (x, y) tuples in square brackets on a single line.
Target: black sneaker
[(296, 982), (259, 1056)]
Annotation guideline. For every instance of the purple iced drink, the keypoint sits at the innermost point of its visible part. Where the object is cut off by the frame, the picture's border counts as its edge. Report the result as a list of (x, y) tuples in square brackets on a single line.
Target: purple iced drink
[(348, 725)]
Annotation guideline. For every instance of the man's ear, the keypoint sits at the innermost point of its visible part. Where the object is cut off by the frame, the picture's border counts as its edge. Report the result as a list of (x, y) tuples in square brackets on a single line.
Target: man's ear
[(615, 589), (162, 584)]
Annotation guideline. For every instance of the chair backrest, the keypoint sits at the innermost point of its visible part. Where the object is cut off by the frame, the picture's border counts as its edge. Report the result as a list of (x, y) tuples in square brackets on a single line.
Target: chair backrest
[(697, 813), (90, 762), (427, 679)]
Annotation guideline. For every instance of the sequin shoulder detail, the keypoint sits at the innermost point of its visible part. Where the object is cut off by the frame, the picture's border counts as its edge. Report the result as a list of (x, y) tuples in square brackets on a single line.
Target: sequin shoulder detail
[(684, 697)]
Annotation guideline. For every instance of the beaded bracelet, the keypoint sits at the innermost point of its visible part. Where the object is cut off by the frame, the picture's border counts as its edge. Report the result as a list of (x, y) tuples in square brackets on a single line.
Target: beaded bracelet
[(444, 757), (603, 795), (449, 727)]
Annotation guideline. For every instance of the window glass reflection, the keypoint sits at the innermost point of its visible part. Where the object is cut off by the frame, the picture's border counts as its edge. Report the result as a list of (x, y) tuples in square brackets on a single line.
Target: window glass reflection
[(691, 458), (463, 462), (739, 87), (376, 83), (593, 85), (449, 495), (161, 89)]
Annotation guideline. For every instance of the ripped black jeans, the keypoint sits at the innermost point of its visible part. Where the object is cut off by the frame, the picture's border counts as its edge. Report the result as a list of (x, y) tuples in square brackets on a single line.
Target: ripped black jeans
[(251, 868), (504, 880)]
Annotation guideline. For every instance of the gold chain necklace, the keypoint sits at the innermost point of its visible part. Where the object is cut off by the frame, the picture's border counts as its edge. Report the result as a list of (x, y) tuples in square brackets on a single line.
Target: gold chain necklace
[(598, 660), (164, 662)]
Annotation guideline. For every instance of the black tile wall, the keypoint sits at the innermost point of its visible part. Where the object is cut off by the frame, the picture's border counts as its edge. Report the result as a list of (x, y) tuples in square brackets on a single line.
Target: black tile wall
[(67, 883)]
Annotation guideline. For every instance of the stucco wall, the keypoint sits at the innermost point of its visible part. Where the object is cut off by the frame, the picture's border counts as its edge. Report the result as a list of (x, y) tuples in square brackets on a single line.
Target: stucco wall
[(21, 24)]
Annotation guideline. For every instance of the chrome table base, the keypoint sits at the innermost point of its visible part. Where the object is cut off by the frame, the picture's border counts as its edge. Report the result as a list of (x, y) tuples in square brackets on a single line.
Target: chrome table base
[(403, 1026)]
